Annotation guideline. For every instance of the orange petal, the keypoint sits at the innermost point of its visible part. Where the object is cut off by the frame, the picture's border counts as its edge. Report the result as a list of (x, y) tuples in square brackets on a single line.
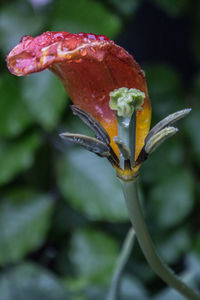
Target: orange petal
[(90, 67)]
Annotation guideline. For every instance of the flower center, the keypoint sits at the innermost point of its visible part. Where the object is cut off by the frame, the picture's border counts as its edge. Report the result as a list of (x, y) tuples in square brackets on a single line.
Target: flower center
[(126, 101)]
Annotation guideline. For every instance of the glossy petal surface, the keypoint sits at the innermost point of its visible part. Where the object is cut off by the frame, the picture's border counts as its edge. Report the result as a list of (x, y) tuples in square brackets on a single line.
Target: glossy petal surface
[(90, 67)]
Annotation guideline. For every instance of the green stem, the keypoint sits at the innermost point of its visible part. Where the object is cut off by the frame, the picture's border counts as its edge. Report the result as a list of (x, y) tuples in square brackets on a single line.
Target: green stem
[(146, 244), (126, 132), (123, 258)]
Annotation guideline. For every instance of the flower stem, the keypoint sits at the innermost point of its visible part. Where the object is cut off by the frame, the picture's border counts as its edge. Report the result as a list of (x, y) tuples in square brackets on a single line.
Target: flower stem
[(126, 132), (146, 244), (123, 258)]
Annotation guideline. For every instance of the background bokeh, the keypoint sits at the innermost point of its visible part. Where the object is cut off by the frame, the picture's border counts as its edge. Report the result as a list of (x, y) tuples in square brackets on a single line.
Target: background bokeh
[(62, 214)]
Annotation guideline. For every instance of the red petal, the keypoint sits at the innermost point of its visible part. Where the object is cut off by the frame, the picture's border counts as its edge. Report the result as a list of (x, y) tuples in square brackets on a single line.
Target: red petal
[(90, 66)]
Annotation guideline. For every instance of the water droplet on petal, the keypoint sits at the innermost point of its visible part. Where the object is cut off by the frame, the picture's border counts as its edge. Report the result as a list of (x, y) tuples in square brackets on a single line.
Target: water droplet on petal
[(25, 38), (83, 52), (91, 36)]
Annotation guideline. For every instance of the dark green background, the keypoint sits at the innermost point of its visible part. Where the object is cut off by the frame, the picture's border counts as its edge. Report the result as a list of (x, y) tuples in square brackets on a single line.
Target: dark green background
[(62, 215)]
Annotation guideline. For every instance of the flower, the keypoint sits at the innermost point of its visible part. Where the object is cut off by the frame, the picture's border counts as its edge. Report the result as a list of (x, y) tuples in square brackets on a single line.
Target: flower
[(90, 67)]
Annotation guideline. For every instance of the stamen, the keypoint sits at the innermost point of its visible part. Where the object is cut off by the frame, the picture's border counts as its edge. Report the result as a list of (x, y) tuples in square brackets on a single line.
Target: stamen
[(159, 133), (114, 157), (167, 121), (141, 157), (89, 143), (123, 149), (93, 124), (159, 138), (155, 141), (92, 145)]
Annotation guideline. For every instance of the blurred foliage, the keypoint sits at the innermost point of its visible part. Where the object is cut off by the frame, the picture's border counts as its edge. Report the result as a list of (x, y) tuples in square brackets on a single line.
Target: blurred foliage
[(62, 213), (39, 93), (93, 255), (25, 218), (84, 169), (173, 7), (29, 281), (76, 16)]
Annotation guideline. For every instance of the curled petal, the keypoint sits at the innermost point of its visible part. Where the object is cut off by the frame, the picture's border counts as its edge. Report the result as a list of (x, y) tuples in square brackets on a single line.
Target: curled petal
[(90, 67)]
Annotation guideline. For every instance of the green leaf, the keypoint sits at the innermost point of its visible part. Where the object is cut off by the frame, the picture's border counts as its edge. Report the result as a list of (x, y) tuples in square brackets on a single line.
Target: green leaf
[(168, 157), (15, 157), (125, 7), (174, 7), (197, 244), (192, 123), (45, 97), (197, 85), (132, 288), (31, 282), (85, 16), (90, 185), (172, 246), (165, 88), (24, 221), (172, 200), (16, 20), (95, 292), (195, 42), (14, 115), (191, 277), (93, 255), (192, 127)]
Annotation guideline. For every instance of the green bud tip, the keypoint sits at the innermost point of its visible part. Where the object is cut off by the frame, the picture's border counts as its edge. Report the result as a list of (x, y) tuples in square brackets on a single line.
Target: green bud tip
[(125, 101)]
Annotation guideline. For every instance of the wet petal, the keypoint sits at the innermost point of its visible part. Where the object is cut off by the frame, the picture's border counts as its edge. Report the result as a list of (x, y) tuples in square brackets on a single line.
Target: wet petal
[(90, 67)]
